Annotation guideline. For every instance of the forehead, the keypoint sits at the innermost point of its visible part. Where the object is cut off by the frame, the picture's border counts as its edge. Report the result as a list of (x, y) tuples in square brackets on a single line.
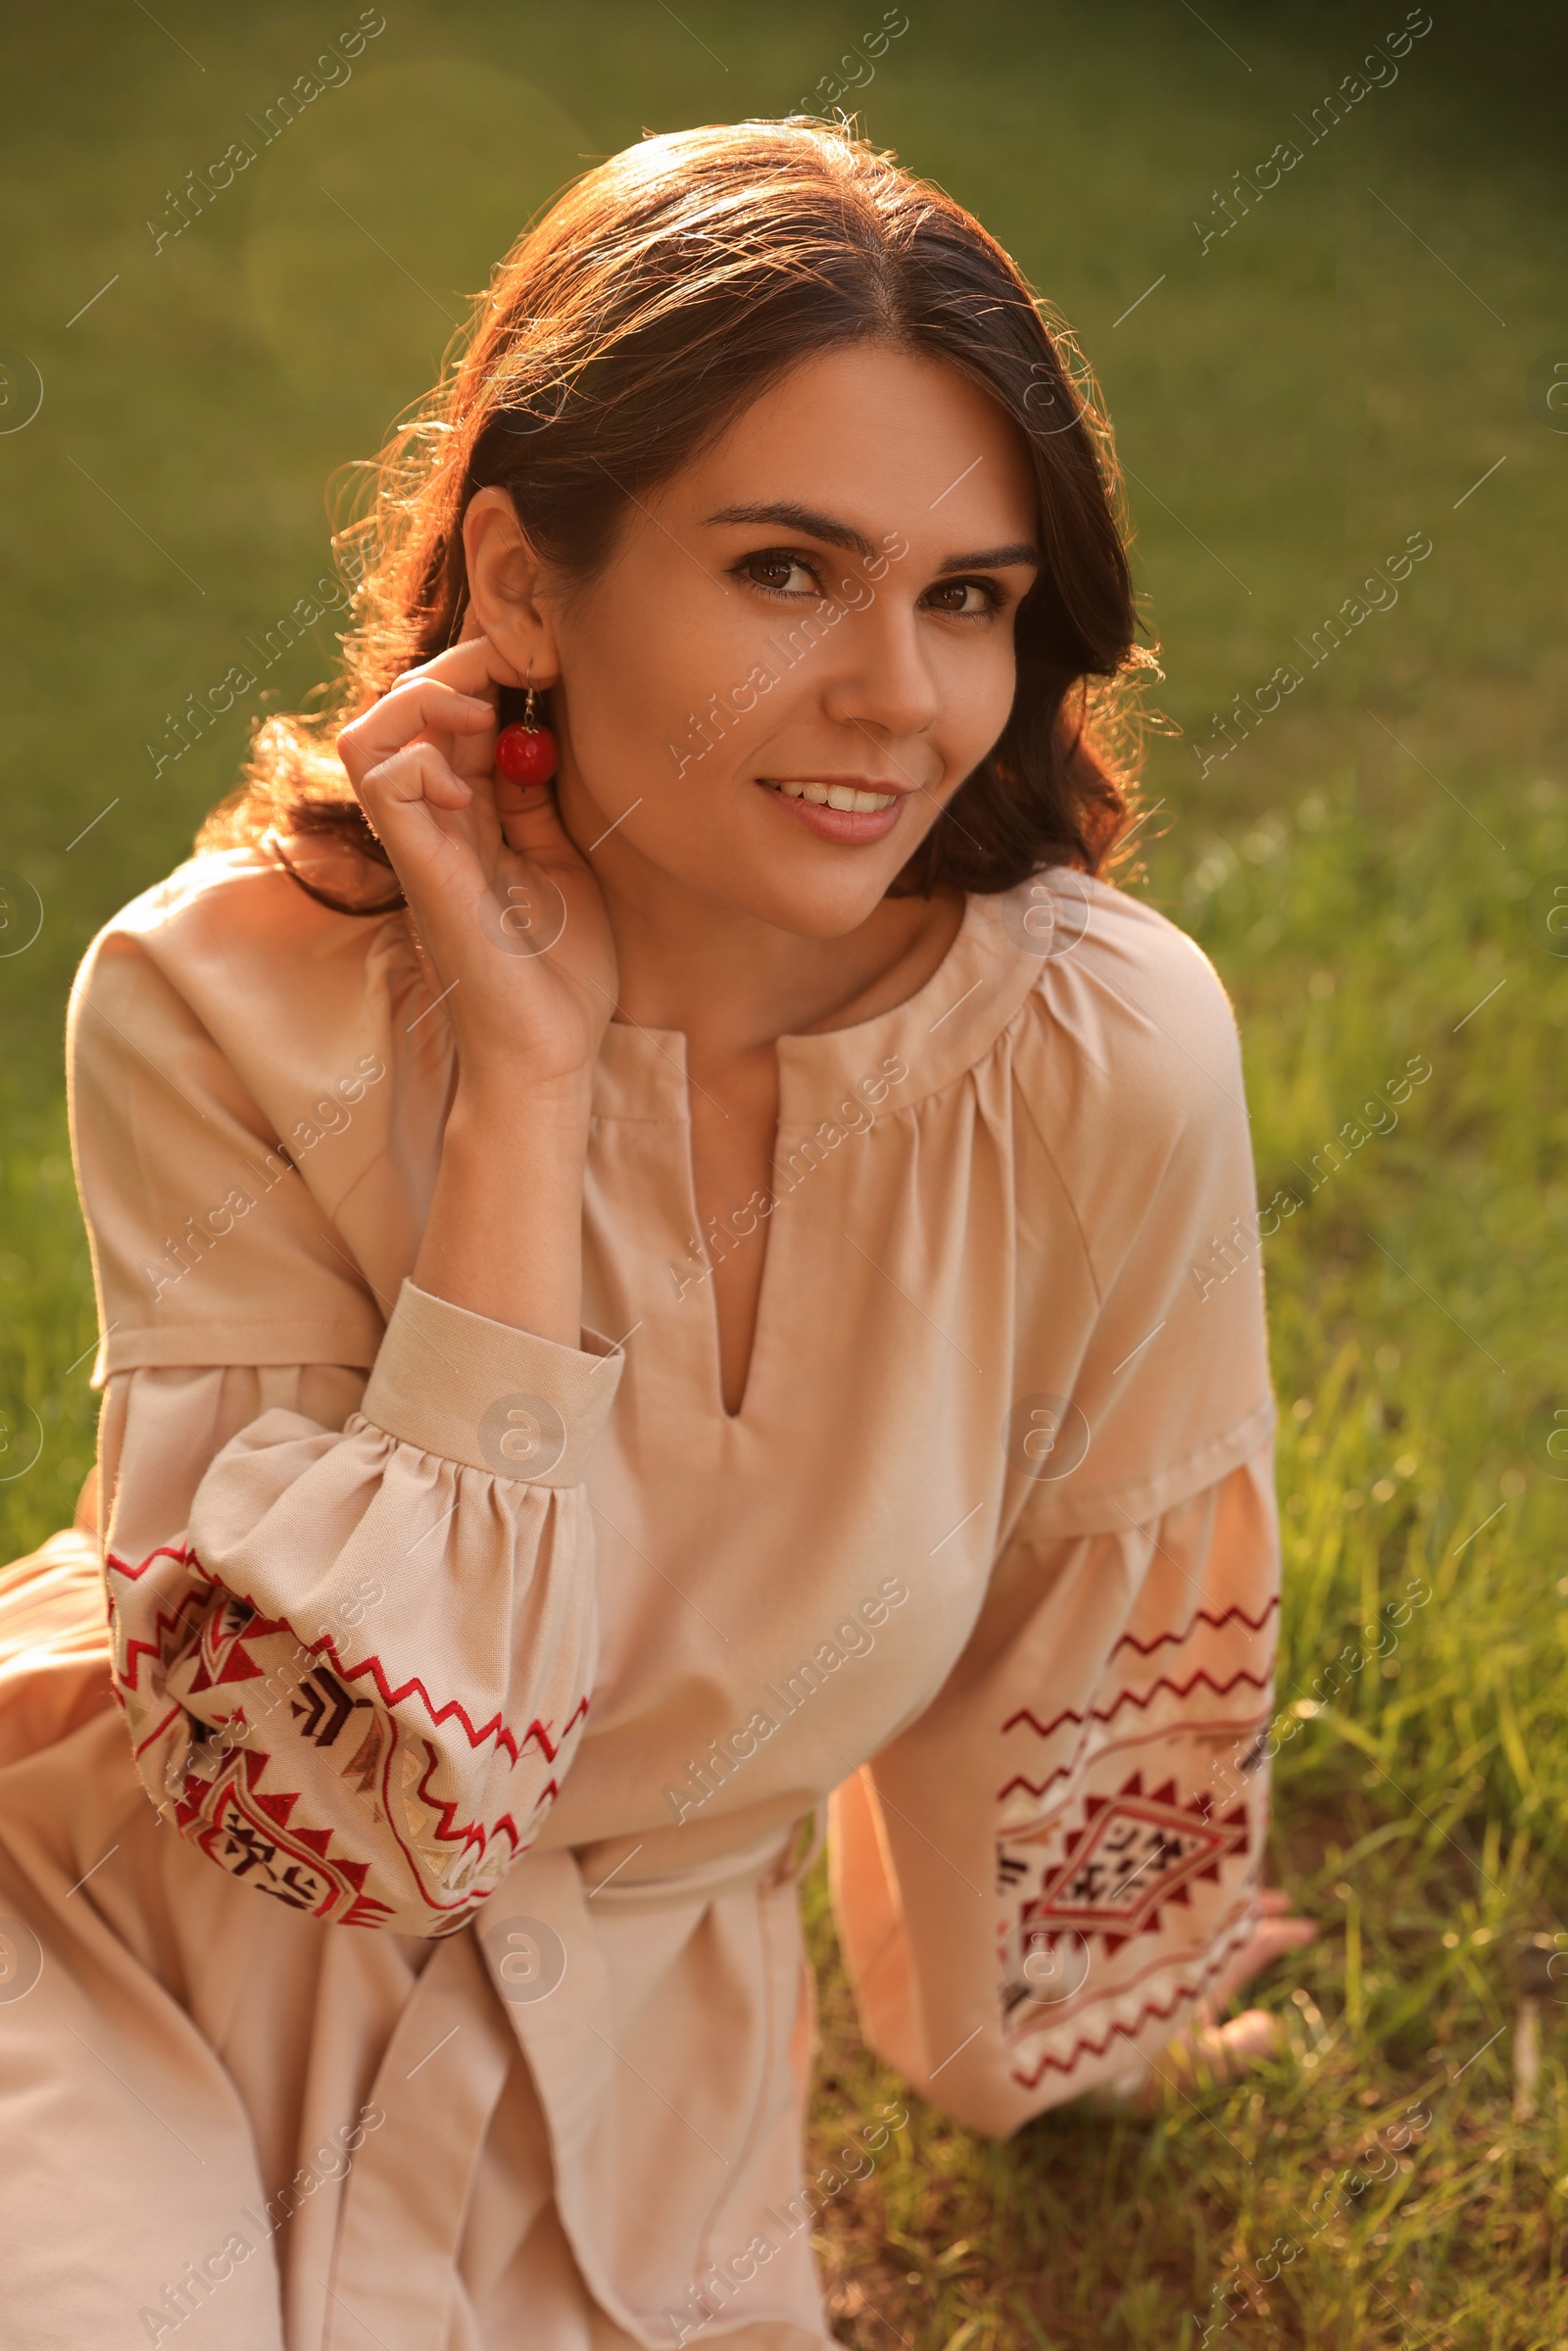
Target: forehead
[(883, 438)]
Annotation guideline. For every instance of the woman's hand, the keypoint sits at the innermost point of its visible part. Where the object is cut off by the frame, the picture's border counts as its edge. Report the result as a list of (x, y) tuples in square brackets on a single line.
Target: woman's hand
[(1207, 2050), (508, 912), (1212, 2051), (1275, 1934)]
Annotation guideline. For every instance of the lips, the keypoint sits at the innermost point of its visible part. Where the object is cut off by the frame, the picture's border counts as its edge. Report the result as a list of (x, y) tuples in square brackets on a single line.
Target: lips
[(853, 798), (850, 810)]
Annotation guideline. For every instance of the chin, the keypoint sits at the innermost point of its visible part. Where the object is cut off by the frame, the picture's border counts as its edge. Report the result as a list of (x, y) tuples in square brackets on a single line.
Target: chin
[(810, 906), (813, 888)]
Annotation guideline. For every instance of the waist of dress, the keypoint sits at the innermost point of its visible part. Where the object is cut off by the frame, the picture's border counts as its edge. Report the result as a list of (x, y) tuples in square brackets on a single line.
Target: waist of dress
[(653, 1872)]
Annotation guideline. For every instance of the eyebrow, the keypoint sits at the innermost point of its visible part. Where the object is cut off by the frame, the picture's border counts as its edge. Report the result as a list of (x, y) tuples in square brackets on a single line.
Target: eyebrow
[(991, 559), (814, 525)]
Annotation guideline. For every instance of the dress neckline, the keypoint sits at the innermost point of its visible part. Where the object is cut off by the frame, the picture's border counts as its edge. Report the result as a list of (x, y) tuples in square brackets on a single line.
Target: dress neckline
[(950, 1022)]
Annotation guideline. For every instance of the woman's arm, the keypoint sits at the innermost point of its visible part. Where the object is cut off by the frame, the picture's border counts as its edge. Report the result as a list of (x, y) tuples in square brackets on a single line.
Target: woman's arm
[(511, 919), (505, 1234), (354, 1623), (1041, 1881), (354, 1619)]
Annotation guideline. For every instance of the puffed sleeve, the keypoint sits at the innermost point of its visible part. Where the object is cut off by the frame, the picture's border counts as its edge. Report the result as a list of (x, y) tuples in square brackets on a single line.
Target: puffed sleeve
[(352, 1616), (1041, 1874), (354, 1646), (1037, 1881)]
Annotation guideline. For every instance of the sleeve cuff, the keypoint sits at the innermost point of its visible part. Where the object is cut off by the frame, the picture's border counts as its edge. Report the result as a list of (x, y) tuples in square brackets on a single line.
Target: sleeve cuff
[(1064, 1510), (497, 1399)]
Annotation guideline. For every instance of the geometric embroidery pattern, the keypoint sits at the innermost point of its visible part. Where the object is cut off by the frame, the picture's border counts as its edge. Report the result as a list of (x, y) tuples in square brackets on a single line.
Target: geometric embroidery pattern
[(221, 1676), (1121, 1885), (1134, 1854)]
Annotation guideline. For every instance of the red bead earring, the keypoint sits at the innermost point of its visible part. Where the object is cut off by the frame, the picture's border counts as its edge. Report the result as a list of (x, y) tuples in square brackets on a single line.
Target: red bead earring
[(526, 753)]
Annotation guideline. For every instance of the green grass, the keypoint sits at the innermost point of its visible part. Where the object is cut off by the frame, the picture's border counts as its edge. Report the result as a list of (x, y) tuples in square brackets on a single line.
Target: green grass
[(1422, 1811), (1365, 869)]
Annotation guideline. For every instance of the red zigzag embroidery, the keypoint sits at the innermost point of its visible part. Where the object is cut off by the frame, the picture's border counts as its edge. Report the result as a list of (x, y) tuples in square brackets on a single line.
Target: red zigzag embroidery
[(1130, 1698), (1232, 1616), (391, 1698), (1093, 2049)]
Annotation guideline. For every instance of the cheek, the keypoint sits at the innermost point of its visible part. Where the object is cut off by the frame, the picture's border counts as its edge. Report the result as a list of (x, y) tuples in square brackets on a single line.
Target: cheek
[(618, 699), (977, 697), (654, 675), (669, 706)]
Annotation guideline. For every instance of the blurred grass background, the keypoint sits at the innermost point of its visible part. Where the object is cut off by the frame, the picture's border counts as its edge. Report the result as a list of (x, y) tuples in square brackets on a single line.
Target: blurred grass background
[(1368, 354)]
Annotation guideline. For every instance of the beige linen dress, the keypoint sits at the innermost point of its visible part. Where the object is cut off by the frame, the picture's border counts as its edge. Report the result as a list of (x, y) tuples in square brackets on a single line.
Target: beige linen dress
[(425, 1968)]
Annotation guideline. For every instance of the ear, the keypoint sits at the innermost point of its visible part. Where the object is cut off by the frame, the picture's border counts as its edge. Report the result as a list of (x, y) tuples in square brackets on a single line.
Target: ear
[(504, 578)]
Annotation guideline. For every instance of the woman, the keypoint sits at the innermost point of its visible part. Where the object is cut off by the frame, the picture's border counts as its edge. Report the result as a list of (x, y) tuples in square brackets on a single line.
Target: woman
[(636, 1304)]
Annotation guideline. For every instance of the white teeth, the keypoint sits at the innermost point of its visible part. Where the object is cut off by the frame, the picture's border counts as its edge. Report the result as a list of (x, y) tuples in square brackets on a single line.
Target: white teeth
[(837, 796)]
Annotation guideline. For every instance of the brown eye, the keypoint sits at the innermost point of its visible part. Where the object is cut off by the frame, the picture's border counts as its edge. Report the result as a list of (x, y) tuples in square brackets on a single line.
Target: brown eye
[(967, 598), (781, 574)]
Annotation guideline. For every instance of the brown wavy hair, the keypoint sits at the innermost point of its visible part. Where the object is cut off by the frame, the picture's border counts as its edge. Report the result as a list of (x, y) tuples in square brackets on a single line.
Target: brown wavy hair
[(658, 296)]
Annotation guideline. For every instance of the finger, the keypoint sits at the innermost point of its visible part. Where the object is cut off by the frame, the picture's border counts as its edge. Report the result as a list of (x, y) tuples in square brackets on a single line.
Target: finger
[(472, 756), (1201, 2052), (426, 834), (472, 664), (1251, 2038), (416, 776), (419, 706), (1291, 1933), (531, 821), (1215, 2053), (1272, 1940), (1273, 1901)]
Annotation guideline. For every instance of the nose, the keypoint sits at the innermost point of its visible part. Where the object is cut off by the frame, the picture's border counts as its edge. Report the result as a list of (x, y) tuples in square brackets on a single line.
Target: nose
[(883, 680)]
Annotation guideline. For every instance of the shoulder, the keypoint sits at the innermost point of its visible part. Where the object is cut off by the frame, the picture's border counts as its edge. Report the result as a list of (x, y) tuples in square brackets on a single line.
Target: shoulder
[(1156, 998), (229, 944), (1126, 1021), (1127, 1077), (223, 1027), (226, 919), (228, 993)]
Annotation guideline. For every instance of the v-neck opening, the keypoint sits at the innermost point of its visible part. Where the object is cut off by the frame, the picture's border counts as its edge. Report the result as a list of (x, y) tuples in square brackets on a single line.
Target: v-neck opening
[(868, 1029), (893, 1059), (715, 1349), (947, 1025)]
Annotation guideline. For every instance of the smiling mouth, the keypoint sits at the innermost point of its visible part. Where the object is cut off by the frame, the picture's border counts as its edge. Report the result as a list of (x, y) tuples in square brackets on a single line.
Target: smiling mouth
[(846, 796)]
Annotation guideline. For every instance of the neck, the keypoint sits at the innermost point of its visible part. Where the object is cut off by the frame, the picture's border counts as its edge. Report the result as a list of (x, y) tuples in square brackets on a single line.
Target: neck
[(735, 982)]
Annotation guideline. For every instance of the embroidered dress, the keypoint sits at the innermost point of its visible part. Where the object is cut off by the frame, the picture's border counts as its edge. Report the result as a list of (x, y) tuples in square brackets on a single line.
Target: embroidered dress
[(425, 1968)]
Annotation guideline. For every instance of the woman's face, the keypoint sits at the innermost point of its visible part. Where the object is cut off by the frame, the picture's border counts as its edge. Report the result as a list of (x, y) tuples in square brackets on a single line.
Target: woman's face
[(822, 603)]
